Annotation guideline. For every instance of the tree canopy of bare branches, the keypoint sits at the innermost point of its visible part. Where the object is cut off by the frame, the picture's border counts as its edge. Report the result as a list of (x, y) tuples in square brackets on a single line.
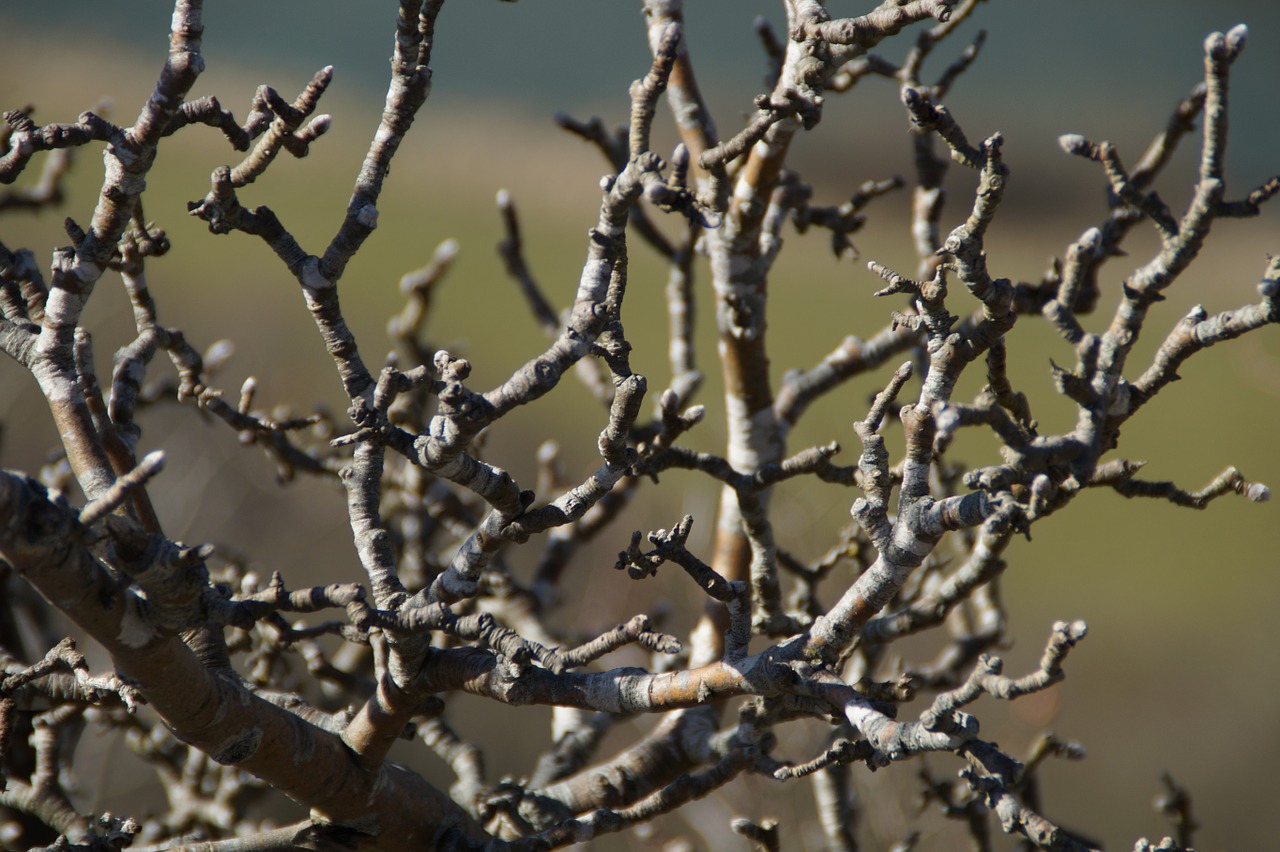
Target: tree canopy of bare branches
[(233, 686)]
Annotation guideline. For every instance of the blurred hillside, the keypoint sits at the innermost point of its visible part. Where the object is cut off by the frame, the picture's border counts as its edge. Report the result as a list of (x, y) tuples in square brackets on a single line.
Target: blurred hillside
[(1180, 671), (1090, 66)]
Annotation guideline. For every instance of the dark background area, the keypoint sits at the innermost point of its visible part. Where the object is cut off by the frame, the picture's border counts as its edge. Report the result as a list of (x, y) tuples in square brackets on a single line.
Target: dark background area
[(1180, 670)]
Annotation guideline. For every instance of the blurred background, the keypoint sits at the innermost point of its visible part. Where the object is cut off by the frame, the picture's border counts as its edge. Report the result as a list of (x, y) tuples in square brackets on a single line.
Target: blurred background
[(1181, 670)]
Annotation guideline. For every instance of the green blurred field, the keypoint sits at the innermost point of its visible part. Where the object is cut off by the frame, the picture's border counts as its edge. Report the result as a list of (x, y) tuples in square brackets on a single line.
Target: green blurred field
[(1180, 669)]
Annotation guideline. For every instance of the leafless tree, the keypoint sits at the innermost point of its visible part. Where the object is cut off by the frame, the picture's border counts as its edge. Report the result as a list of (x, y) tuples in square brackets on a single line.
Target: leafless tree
[(227, 699)]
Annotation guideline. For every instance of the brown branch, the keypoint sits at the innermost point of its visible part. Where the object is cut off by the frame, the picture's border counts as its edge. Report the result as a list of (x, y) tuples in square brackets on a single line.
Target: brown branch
[(246, 731)]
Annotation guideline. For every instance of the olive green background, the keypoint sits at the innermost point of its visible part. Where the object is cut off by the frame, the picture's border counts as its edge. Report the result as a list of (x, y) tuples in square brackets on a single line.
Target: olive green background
[(1180, 668)]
